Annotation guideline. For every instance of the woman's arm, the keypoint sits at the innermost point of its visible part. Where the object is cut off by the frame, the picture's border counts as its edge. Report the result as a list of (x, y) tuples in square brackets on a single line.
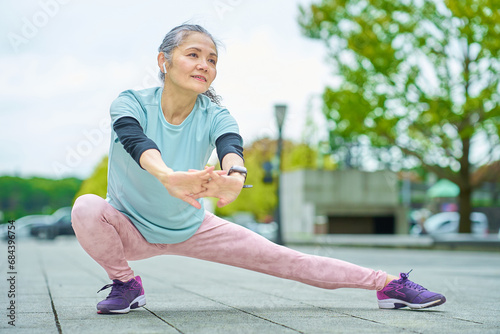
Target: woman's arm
[(230, 160), (132, 137), (152, 162), (230, 152)]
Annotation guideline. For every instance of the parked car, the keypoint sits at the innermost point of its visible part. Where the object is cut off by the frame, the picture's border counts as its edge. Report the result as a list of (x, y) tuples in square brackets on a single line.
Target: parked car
[(447, 222), (60, 225), (24, 224)]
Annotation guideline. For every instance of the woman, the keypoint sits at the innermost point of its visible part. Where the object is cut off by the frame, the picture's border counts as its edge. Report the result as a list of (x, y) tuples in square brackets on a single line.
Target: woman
[(162, 139)]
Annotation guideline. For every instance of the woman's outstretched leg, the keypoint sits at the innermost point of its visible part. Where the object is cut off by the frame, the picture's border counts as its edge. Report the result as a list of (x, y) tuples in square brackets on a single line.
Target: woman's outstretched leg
[(224, 242), (220, 241)]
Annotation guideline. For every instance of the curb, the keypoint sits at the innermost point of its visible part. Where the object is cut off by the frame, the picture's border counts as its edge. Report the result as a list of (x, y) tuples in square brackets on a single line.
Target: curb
[(454, 242)]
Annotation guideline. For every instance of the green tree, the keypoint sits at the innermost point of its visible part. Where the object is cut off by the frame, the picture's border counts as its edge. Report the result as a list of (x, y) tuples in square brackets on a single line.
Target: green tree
[(422, 76), (97, 183), (24, 196)]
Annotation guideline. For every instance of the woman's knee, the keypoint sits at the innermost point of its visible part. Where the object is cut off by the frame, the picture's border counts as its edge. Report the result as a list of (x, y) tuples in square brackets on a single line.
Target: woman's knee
[(86, 208)]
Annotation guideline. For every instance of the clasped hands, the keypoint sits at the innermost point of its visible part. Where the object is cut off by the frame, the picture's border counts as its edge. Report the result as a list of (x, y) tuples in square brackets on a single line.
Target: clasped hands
[(193, 184)]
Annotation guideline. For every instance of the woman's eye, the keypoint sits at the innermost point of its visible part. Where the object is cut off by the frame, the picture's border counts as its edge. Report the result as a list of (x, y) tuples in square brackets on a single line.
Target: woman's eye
[(192, 55), (213, 61)]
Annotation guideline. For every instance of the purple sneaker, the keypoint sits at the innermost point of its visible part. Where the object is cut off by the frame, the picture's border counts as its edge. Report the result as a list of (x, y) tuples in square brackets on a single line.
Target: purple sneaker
[(403, 292), (123, 296)]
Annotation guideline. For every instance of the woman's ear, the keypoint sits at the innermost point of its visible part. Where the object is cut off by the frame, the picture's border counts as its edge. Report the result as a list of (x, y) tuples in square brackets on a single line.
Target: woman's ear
[(162, 61)]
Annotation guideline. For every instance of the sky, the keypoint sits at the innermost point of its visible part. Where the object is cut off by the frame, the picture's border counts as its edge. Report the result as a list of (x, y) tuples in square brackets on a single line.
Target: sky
[(62, 63)]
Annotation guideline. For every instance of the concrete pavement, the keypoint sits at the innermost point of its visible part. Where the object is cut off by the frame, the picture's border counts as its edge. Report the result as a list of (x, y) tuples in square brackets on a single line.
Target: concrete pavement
[(56, 284)]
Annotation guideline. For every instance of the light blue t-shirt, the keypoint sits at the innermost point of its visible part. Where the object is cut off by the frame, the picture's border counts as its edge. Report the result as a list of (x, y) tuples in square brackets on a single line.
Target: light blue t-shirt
[(160, 217)]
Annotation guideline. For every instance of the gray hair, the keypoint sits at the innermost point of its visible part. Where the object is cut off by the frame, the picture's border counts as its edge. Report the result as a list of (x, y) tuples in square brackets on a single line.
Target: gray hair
[(175, 38)]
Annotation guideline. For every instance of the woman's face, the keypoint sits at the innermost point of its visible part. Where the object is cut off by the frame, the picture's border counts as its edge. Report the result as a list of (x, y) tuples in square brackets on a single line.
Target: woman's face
[(193, 65)]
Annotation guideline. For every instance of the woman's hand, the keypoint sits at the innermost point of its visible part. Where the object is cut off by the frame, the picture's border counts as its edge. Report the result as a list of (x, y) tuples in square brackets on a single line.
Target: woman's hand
[(220, 185), (187, 185)]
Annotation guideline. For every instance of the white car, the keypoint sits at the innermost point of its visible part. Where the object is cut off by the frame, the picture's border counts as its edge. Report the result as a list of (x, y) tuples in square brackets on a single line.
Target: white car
[(447, 222)]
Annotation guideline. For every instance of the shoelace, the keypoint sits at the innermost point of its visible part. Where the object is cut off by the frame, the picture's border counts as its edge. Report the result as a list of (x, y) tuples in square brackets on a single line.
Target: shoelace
[(116, 289), (412, 285)]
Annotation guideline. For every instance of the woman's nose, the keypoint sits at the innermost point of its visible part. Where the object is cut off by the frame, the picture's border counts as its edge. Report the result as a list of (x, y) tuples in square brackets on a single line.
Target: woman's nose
[(202, 65)]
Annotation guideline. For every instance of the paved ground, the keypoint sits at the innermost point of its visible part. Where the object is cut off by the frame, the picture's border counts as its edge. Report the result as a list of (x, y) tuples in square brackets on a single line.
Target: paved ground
[(56, 284)]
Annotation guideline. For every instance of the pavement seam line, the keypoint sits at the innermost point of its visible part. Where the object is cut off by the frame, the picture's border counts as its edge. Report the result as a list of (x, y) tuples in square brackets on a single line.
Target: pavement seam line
[(165, 321), (54, 311), (233, 307), (474, 322)]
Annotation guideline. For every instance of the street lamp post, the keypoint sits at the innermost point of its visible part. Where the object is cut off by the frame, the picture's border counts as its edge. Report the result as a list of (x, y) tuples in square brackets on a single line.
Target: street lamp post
[(280, 113)]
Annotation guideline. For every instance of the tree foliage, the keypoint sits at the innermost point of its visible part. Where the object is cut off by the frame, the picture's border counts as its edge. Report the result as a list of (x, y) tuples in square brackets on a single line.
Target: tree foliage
[(20, 197), (97, 183), (422, 76)]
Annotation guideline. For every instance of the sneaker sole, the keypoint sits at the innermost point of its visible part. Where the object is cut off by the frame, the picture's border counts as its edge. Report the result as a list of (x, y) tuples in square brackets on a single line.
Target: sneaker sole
[(397, 303), (136, 303)]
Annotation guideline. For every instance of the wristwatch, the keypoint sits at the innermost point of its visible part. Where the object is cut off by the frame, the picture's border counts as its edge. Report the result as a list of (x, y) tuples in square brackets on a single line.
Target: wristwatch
[(242, 170), (238, 169)]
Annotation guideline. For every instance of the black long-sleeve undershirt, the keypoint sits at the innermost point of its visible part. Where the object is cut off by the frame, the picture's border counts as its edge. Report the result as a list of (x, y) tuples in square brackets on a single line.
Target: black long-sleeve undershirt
[(229, 143)]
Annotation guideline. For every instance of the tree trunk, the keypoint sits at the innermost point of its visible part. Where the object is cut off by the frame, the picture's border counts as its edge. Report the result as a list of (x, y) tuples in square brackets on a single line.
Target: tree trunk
[(465, 209), (464, 200)]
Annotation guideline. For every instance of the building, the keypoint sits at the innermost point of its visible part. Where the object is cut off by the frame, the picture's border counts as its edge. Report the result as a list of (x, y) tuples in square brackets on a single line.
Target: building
[(341, 201)]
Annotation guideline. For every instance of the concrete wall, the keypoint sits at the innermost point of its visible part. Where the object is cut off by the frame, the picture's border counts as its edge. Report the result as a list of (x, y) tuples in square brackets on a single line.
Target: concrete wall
[(306, 194)]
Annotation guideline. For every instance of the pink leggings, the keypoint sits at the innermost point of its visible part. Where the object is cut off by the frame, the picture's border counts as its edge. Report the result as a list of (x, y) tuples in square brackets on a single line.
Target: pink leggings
[(111, 239)]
